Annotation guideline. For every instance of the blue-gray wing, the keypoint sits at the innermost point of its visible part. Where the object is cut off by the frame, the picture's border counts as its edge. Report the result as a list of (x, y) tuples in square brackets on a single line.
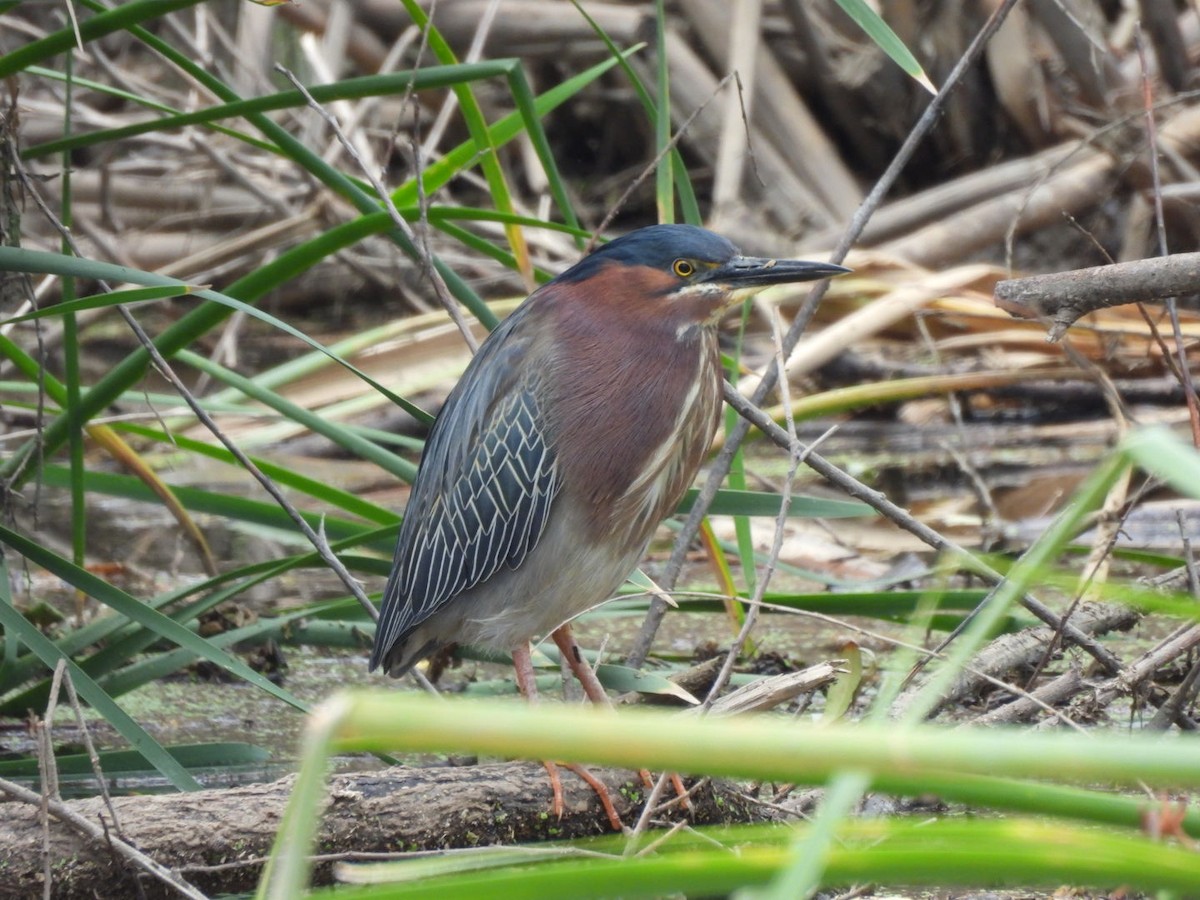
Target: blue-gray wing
[(483, 492)]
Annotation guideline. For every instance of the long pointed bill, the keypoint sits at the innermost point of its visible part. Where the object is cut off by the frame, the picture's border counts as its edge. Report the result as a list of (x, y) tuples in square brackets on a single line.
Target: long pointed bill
[(744, 273)]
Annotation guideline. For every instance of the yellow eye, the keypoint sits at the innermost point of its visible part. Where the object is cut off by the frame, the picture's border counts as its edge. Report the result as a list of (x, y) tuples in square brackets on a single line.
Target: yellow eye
[(683, 268)]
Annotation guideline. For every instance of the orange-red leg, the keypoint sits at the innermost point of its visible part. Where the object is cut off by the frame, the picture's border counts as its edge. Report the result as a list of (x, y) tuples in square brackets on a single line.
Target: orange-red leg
[(595, 692), (574, 656), (527, 683)]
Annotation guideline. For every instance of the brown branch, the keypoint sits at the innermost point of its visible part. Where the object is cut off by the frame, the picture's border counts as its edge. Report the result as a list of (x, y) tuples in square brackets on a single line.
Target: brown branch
[(1023, 709), (1021, 649), (1064, 297), (1137, 676)]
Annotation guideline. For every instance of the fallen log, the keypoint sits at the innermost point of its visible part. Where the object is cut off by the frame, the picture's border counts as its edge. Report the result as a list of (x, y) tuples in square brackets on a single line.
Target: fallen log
[(218, 839)]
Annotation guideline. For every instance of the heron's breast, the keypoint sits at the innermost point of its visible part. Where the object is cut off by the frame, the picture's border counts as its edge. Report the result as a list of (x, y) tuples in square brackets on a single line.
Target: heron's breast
[(637, 431)]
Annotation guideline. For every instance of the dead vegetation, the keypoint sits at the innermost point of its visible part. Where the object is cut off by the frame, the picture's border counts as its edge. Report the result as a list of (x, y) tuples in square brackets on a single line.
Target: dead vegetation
[(1073, 141)]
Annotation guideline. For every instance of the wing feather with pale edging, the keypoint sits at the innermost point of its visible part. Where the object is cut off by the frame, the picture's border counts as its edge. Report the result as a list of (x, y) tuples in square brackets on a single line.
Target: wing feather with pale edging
[(483, 494)]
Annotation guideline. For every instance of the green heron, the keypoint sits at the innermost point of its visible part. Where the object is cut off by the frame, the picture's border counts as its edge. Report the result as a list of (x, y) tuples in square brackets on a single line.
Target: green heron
[(574, 431)]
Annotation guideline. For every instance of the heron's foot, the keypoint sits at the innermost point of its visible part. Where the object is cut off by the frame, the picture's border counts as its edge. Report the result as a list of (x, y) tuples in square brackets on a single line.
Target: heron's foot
[(592, 781), (681, 790)]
